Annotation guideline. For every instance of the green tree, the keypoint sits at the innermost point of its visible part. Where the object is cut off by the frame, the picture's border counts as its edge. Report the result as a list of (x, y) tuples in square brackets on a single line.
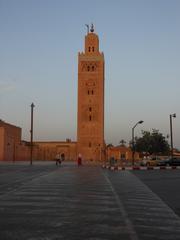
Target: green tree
[(152, 142)]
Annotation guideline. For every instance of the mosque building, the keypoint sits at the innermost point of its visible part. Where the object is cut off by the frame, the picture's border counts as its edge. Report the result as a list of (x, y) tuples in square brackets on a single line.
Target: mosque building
[(90, 117)]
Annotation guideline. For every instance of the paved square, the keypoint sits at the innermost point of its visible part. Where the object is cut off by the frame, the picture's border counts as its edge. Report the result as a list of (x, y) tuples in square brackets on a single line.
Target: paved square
[(44, 201)]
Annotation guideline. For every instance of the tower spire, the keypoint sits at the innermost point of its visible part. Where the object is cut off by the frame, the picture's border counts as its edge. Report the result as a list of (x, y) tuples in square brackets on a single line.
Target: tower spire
[(92, 28)]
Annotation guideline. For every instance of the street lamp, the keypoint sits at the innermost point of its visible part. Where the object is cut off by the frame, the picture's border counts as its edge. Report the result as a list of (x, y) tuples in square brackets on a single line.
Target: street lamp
[(31, 132), (171, 132), (133, 150)]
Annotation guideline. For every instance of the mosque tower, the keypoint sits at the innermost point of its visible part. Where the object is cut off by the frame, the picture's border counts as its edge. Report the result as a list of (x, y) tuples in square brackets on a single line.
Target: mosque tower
[(90, 122)]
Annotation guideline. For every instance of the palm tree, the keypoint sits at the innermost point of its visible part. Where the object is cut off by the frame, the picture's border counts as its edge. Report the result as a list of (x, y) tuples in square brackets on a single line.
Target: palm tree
[(110, 145), (122, 142)]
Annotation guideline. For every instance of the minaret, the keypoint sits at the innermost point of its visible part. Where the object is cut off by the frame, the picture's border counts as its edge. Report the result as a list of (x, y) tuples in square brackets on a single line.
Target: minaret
[(90, 128)]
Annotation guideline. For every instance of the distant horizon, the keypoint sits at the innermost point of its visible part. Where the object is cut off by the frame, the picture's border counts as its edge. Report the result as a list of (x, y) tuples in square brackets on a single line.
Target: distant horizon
[(38, 63)]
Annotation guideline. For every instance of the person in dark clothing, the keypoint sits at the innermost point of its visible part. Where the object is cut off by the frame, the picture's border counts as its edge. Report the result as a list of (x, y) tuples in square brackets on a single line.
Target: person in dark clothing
[(58, 159)]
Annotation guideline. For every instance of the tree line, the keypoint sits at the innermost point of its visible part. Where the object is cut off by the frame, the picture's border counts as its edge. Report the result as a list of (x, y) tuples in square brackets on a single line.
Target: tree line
[(151, 143)]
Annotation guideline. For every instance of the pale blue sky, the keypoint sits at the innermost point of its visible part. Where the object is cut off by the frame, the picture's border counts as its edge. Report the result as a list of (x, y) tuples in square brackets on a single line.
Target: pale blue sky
[(39, 44)]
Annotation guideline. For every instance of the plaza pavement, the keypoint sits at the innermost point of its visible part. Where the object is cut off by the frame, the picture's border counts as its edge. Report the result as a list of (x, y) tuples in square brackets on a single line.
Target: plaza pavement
[(46, 202)]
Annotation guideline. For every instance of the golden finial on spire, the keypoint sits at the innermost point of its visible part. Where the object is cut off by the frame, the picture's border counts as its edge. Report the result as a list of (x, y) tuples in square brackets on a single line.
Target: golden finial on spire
[(92, 28)]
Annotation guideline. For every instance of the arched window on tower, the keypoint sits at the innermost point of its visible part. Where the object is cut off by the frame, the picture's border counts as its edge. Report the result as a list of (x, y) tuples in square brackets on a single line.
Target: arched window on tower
[(88, 68), (93, 49), (89, 49), (90, 118)]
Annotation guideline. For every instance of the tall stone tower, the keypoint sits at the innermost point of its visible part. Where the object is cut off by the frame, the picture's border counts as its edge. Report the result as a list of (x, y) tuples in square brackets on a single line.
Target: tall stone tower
[(90, 128)]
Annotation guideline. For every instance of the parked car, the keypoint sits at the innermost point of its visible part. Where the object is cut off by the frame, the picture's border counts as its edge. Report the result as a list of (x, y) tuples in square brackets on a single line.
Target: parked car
[(153, 161), (143, 162), (163, 162), (150, 161), (169, 162)]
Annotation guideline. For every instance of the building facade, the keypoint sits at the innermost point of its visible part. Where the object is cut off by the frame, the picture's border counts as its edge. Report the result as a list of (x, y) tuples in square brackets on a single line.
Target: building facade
[(122, 154), (48, 150), (11, 145), (90, 127)]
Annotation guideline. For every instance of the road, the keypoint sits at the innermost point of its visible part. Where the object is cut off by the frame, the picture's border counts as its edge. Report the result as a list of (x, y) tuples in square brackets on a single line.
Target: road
[(165, 183), (44, 201)]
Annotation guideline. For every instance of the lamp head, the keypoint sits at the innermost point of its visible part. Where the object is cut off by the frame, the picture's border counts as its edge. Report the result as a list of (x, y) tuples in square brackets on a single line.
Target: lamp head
[(32, 105), (174, 115), (140, 121)]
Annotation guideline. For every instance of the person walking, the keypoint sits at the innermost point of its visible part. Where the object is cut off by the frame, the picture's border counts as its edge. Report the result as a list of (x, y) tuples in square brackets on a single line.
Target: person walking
[(62, 157), (79, 160), (58, 159)]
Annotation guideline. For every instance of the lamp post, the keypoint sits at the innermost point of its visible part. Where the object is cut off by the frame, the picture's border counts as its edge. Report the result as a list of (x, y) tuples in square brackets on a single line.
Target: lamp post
[(31, 132), (171, 132), (133, 150)]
